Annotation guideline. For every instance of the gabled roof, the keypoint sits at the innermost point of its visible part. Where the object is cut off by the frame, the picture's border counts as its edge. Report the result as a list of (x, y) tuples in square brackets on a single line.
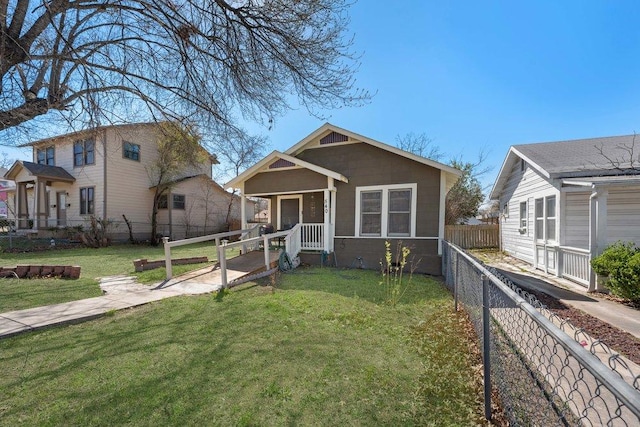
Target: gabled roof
[(53, 173), (276, 155), (592, 157), (328, 127), (290, 155)]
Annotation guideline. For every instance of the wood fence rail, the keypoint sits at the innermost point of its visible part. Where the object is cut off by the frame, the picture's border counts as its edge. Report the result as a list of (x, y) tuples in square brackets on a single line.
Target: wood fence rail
[(473, 236)]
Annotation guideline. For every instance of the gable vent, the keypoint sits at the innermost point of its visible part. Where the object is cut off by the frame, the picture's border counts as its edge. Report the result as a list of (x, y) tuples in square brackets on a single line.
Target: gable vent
[(281, 163), (334, 137)]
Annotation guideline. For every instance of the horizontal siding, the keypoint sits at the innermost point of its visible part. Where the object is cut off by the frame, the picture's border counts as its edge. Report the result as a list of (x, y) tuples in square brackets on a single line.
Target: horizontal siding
[(576, 220), (623, 216), (521, 187)]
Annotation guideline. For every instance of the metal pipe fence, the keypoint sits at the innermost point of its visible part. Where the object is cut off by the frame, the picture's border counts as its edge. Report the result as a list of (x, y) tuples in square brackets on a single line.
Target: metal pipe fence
[(540, 374)]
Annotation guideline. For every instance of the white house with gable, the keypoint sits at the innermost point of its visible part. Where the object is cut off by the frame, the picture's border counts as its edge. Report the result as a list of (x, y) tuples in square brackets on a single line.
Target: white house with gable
[(562, 203)]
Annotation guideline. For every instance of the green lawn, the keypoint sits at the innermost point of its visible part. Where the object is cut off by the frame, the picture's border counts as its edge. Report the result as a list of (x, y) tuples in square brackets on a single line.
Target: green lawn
[(117, 259), (321, 348)]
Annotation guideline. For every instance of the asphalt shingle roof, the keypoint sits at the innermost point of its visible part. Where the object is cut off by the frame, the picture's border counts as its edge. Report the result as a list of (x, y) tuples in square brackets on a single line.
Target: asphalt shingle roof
[(46, 171), (584, 157)]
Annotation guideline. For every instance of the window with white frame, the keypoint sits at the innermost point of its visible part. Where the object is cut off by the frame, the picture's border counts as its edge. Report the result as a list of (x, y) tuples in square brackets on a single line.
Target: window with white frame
[(386, 210), (545, 212), (523, 217), (550, 203)]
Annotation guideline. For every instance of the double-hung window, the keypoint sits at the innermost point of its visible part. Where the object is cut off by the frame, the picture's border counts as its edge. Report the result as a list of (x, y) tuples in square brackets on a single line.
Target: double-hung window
[(523, 218), (87, 201), (84, 152), (46, 156), (386, 210)]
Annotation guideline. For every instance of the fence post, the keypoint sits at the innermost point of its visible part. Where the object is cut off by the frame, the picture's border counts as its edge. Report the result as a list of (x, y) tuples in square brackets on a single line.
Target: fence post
[(486, 346), (266, 251), (167, 257), (456, 277), (222, 260)]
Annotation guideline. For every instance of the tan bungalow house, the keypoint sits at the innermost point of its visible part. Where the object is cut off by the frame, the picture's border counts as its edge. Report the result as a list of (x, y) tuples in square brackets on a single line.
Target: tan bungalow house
[(104, 172), (348, 194)]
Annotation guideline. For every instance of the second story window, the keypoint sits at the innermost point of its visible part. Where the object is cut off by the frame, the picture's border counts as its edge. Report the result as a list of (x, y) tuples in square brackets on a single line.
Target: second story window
[(131, 151), (46, 156), (84, 152)]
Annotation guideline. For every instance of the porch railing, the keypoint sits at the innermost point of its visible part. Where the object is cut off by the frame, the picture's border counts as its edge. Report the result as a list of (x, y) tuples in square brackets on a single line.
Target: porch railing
[(312, 237), (574, 264), (293, 241), (291, 237)]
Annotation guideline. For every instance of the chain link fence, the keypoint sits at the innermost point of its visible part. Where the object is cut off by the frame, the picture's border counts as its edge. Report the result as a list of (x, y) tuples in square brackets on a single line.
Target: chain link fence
[(541, 375)]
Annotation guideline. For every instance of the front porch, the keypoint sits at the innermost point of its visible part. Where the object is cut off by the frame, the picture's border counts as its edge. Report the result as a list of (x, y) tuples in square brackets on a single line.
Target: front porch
[(301, 197), (41, 195)]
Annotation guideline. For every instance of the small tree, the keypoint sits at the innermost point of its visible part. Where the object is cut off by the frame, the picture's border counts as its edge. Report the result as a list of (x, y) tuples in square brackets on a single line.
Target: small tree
[(178, 149), (466, 196), (464, 199)]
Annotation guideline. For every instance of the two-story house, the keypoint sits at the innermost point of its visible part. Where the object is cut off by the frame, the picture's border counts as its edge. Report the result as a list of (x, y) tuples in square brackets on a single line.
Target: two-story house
[(107, 172)]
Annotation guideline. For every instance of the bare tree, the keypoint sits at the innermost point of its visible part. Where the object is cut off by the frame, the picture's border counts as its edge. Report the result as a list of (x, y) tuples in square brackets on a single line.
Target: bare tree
[(419, 144), (206, 60), (623, 157), (466, 196), (237, 154), (178, 149)]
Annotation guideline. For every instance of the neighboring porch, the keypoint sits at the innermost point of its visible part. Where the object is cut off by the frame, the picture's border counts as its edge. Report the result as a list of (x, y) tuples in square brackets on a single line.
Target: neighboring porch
[(37, 204), (594, 213)]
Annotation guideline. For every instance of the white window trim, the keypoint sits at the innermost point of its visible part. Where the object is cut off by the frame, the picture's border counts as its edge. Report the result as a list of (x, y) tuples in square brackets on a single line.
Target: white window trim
[(385, 209), (524, 229), (279, 200), (545, 233)]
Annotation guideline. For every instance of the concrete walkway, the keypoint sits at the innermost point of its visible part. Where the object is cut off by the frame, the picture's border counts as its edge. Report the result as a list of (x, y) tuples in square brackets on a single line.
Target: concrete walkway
[(122, 292), (568, 292)]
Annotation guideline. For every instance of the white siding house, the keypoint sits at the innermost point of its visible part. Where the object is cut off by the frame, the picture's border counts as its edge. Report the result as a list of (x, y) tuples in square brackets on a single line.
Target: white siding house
[(106, 173), (564, 202)]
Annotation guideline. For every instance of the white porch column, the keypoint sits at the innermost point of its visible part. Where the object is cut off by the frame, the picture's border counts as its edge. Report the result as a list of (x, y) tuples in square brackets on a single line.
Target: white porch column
[(326, 233), (597, 227), (243, 211), (601, 233)]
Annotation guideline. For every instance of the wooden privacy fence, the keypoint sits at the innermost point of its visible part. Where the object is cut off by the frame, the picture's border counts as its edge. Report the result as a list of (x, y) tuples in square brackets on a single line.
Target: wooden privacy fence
[(473, 236)]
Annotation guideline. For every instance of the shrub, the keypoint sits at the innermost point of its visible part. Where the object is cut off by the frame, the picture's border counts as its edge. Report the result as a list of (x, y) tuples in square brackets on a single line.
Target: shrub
[(625, 282), (613, 258), (621, 263)]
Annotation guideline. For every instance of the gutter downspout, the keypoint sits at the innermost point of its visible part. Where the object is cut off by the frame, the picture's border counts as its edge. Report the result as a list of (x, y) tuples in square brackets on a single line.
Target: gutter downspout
[(593, 233)]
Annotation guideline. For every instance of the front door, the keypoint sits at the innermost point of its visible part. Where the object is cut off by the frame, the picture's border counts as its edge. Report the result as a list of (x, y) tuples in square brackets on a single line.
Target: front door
[(290, 212), (61, 208)]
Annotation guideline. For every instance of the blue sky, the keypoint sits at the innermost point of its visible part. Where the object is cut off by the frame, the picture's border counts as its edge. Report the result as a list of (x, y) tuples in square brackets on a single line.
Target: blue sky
[(486, 75), (490, 74)]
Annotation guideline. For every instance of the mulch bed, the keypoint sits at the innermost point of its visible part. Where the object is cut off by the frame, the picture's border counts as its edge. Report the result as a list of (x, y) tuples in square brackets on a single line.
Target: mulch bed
[(617, 339)]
